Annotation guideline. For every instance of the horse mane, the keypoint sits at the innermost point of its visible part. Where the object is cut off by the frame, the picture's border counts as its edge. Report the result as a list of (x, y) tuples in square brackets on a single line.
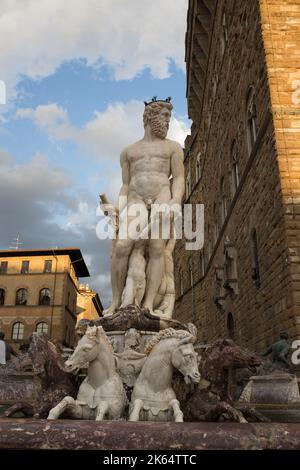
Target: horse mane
[(93, 331), (41, 346), (167, 333), (219, 345)]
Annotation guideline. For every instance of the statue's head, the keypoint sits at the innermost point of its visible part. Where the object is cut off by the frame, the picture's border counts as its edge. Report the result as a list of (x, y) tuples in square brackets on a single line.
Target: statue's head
[(284, 335), (157, 115)]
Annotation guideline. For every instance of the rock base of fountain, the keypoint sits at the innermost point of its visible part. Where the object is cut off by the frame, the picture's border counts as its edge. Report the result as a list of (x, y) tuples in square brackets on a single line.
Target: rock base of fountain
[(121, 435), (19, 386), (128, 317)]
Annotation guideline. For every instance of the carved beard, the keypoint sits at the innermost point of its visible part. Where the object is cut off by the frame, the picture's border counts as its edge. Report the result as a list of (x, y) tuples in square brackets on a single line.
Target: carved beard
[(159, 127)]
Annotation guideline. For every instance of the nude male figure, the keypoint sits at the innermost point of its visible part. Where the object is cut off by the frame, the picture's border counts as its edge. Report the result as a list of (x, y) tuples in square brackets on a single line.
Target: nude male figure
[(146, 168)]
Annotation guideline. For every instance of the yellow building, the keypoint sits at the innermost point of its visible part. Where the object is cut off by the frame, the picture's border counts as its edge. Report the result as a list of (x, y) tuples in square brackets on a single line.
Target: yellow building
[(38, 292), (89, 305)]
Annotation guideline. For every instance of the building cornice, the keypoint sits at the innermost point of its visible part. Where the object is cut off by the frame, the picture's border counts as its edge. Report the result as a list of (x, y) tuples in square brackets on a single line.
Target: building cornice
[(201, 14)]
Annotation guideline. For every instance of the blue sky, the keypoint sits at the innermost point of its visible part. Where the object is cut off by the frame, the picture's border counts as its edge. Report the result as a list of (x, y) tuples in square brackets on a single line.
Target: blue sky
[(75, 95)]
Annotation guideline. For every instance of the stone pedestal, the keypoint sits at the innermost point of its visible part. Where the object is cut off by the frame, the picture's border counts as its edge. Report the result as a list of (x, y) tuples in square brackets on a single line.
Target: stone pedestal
[(120, 339), (281, 388), (19, 386), (128, 317), (129, 347)]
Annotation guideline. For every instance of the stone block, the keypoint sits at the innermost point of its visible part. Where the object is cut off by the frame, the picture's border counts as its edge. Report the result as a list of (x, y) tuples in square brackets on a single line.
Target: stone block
[(274, 388)]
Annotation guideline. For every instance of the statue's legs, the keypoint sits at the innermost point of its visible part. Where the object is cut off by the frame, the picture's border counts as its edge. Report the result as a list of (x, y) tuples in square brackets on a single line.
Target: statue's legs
[(67, 402), (129, 292), (155, 271), (224, 407), (136, 223), (26, 408), (102, 409), (136, 277), (251, 413), (119, 264), (135, 413), (178, 415)]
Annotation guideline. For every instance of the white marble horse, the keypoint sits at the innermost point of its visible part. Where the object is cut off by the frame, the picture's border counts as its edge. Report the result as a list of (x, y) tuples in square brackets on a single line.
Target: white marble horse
[(153, 398), (101, 395)]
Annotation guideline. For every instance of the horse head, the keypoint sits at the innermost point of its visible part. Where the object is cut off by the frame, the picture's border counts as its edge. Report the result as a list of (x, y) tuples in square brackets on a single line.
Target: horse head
[(82, 325), (231, 355), (46, 359), (86, 350), (184, 358), (36, 351)]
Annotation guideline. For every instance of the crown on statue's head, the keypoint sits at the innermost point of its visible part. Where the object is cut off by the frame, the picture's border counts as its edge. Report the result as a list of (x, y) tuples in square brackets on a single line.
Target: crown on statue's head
[(155, 100)]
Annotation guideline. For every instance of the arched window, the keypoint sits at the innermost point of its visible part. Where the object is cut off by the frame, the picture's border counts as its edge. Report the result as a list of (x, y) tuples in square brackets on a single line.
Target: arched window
[(198, 167), (251, 118), (3, 267), (44, 298), (202, 263), (18, 331), (25, 267), (42, 327), (188, 185), (234, 168), (2, 296), (230, 325), (230, 267), (47, 266), (254, 258), (21, 297)]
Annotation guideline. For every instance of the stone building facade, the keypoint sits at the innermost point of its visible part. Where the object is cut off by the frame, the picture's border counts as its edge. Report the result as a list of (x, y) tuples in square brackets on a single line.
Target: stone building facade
[(38, 292), (89, 305), (242, 161)]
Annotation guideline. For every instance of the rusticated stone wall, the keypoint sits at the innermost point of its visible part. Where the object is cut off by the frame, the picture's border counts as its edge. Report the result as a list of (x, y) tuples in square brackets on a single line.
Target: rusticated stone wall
[(249, 285)]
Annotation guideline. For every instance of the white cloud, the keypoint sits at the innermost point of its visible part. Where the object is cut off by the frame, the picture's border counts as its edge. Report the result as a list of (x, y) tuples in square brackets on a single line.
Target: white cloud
[(36, 202), (83, 216), (36, 36), (51, 118), (179, 129), (106, 134), (38, 179)]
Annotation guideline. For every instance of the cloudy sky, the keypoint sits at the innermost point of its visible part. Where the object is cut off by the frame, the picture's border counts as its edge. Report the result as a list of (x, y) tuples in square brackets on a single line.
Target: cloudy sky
[(76, 75)]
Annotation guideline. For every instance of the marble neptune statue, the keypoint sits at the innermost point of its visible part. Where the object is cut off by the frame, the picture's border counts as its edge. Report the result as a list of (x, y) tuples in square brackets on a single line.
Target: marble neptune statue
[(142, 271)]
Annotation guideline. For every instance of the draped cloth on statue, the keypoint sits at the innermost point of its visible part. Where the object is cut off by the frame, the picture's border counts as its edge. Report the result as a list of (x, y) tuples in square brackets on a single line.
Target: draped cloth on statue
[(2, 352)]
